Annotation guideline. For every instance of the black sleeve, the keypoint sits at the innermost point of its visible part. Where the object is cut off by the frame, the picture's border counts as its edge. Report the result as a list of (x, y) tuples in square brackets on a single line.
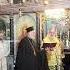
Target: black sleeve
[(20, 54)]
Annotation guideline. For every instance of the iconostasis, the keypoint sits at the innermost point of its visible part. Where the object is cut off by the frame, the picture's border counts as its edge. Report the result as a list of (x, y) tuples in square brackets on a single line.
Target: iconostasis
[(59, 17)]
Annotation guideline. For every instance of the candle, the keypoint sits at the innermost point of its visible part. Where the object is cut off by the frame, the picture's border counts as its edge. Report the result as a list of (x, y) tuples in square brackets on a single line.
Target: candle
[(67, 43), (68, 35), (23, 1), (20, 13)]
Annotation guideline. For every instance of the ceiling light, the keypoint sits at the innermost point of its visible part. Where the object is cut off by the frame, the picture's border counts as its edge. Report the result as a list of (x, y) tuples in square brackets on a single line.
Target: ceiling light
[(23, 1), (37, 1), (46, 2), (60, 0)]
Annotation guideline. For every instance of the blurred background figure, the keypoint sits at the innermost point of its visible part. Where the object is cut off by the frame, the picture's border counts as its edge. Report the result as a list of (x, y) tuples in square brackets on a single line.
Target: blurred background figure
[(4, 47), (54, 53), (26, 58), (4, 50)]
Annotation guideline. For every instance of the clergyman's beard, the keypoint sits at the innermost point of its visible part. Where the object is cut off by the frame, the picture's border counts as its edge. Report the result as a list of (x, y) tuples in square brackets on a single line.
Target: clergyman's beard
[(30, 36)]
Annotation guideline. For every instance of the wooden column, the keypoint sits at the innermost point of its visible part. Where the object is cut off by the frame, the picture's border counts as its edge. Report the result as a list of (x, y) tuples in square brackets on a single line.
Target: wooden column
[(38, 29), (11, 36)]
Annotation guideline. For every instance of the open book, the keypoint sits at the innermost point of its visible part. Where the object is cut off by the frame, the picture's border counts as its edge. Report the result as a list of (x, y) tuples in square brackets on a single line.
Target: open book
[(51, 45)]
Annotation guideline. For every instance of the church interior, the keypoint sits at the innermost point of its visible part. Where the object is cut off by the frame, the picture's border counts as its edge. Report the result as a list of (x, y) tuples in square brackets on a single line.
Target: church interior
[(40, 14)]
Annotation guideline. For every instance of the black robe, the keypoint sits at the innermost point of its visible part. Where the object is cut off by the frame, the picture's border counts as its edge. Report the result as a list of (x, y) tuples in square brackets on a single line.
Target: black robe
[(26, 60), (43, 60)]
